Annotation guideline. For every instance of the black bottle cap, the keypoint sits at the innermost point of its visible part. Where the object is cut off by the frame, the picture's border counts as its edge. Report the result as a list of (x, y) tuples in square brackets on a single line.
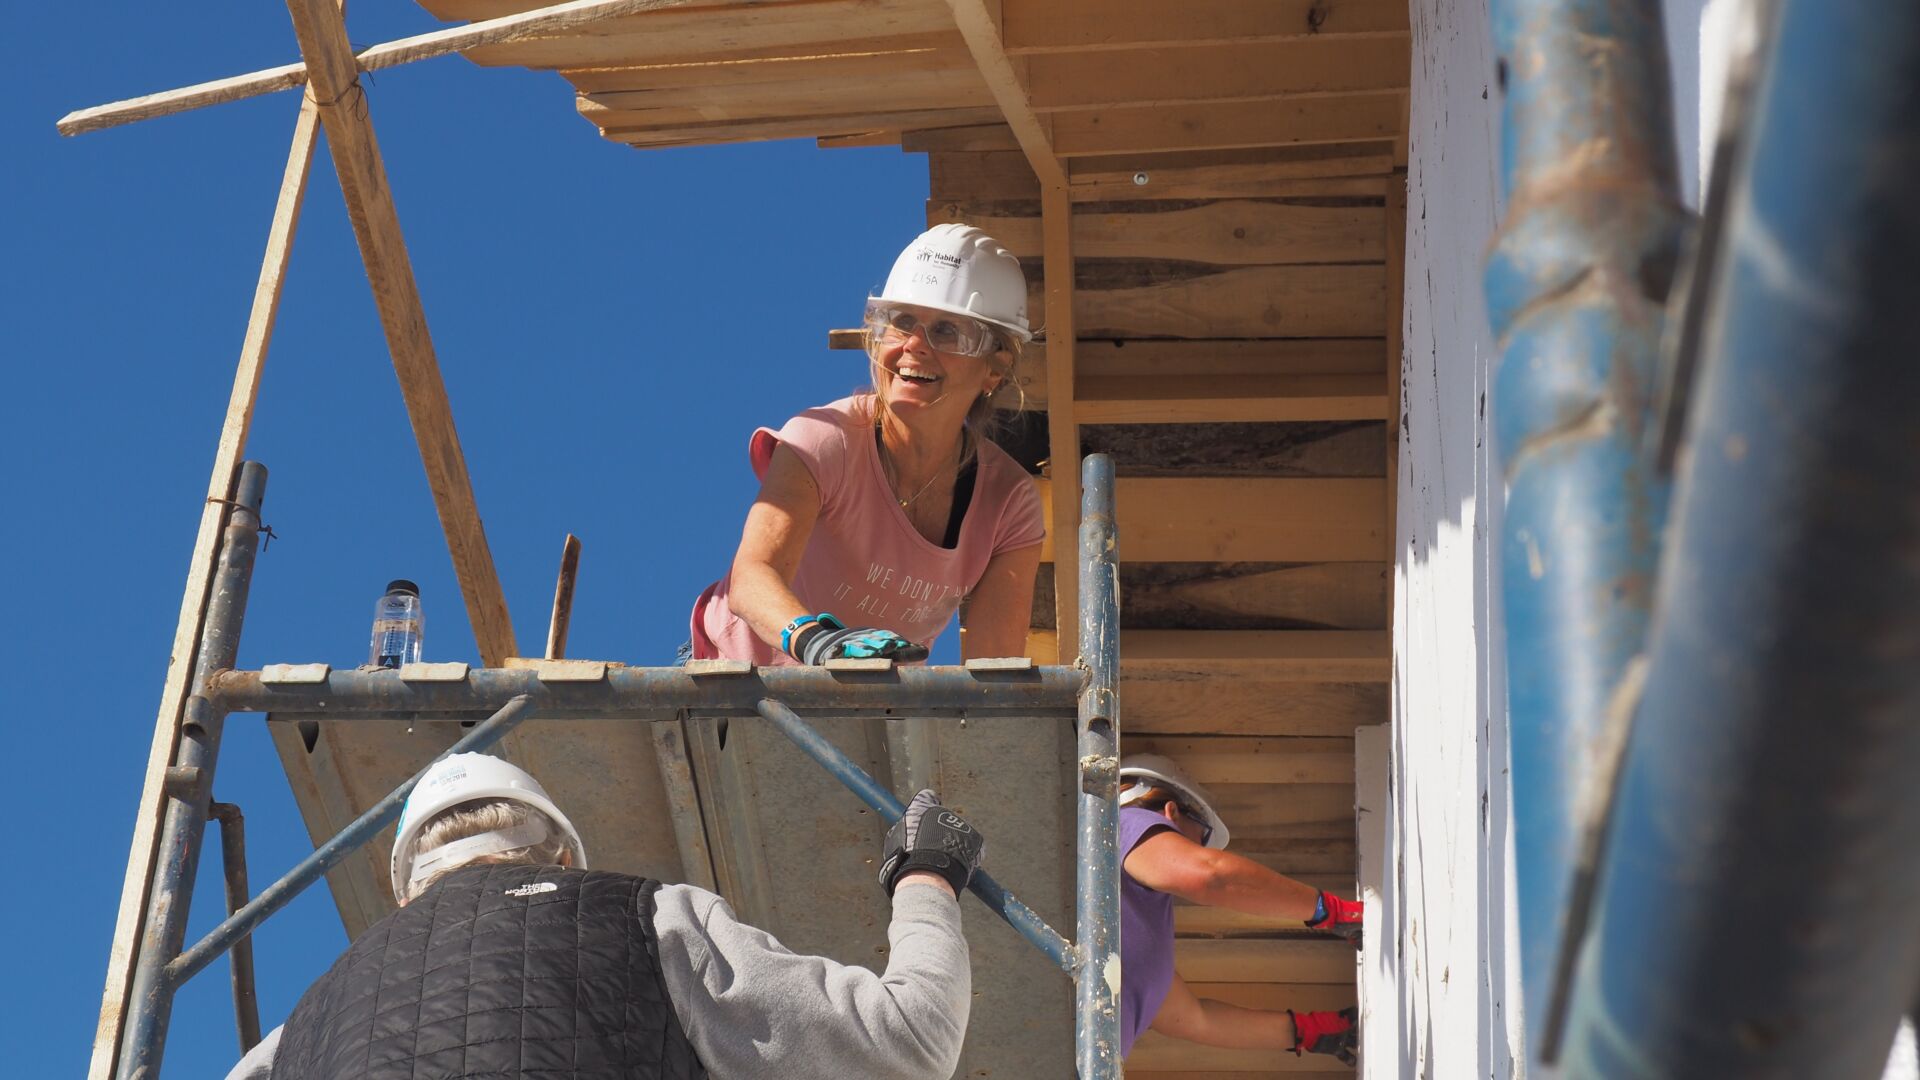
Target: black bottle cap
[(402, 585)]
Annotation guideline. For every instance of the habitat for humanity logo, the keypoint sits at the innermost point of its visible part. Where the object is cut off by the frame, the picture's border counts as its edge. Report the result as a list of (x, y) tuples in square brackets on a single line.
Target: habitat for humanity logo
[(951, 262)]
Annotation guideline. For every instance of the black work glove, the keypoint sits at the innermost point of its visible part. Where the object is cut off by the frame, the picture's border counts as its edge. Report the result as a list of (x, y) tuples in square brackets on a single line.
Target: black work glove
[(933, 838), (858, 643)]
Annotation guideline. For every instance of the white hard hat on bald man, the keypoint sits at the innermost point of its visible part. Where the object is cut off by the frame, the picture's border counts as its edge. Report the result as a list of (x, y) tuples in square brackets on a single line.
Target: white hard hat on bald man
[(961, 270)]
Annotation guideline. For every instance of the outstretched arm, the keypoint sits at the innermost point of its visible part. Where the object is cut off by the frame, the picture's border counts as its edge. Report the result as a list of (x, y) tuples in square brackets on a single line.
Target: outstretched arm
[(778, 527), (1216, 1023), (753, 1008), (1170, 863)]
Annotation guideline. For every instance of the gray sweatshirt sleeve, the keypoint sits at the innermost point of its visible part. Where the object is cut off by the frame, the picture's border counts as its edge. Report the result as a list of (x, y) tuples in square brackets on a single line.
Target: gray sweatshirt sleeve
[(755, 1009)]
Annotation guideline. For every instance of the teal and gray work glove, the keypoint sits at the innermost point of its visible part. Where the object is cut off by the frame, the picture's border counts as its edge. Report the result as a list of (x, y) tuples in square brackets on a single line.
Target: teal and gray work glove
[(857, 643), (933, 838)]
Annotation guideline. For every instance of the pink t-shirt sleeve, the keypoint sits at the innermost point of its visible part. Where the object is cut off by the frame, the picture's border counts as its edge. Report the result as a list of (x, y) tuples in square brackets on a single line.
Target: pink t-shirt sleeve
[(818, 437)]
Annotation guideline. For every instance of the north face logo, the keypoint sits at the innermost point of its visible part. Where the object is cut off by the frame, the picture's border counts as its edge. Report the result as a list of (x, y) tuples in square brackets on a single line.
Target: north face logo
[(534, 889)]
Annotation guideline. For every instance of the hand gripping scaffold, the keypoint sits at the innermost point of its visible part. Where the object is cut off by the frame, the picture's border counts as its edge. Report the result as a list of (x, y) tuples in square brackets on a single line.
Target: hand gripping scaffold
[(1085, 693)]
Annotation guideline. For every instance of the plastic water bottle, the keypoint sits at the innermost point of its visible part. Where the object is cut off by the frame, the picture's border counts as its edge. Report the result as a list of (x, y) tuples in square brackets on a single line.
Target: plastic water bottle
[(397, 625)]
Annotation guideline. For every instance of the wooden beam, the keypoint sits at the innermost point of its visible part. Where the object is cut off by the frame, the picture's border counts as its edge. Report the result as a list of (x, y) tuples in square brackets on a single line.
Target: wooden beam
[(1320, 301), (376, 226), (1350, 118), (982, 32), (1333, 170), (1156, 78), (1241, 596), (1034, 26), (1063, 430), (995, 136), (128, 924), (671, 106), (709, 31), (1231, 399), (1235, 519), (557, 19), (1302, 960), (802, 127), (1227, 232), (940, 51), (1229, 760)]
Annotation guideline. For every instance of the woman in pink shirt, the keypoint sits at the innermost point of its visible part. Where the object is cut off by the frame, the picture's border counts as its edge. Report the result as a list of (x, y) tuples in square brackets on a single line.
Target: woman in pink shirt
[(881, 514)]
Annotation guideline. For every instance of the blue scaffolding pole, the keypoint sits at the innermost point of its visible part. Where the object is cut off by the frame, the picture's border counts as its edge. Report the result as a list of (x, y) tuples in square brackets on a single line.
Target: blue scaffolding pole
[(1756, 916), (780, 695), (1576, 286)]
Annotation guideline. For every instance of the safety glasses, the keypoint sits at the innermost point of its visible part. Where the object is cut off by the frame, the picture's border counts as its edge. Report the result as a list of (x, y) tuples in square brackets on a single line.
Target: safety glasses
[(955, 334)]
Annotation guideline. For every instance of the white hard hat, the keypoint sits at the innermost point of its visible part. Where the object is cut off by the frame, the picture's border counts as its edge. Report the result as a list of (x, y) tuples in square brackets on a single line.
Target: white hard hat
[(961, 270), (1140, 773), (459, 778)]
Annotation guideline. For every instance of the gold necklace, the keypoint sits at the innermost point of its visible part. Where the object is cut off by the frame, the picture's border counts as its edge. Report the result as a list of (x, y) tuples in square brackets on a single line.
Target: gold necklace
[(894, 478)]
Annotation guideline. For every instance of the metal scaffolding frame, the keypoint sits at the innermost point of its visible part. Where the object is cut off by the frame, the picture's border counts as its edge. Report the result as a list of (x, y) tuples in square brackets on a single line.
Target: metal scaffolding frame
[(1085, 692)]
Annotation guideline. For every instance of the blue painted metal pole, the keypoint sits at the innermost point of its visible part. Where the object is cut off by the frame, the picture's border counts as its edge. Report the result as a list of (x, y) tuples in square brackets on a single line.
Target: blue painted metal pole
[(328, 855), (1096, 976), (1575, 290), (1022, 918), (189, 789), (1757, 915)]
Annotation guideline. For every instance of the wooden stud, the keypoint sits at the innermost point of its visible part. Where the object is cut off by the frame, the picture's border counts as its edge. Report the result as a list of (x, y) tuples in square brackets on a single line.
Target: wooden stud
[(1349, 118), (1033, 26), (1206, 519), (683, 799), (128, 924), (957, 137), (334, 81), (1063, 431), (981, 29)]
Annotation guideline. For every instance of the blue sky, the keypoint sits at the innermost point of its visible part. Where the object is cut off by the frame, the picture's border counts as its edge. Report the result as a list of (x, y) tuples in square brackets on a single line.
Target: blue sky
[(611, 325)]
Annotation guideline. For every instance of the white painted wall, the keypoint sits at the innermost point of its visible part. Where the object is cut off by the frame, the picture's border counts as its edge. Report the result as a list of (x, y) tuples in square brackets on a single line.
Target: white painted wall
[(1442, 975)]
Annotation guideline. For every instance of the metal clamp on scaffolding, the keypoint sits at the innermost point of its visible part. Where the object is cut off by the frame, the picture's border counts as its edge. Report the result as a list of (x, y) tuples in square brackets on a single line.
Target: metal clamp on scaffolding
[(779, 695)]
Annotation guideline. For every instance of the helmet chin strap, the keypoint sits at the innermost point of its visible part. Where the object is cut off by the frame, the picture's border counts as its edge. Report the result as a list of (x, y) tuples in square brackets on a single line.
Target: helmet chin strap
[(449, 855)]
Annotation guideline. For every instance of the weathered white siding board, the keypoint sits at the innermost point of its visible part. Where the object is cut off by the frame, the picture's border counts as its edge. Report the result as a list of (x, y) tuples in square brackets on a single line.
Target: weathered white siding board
[(1441, 979)]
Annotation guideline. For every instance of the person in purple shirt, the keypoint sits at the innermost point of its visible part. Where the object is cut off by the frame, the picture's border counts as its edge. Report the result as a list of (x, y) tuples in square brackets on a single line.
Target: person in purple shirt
[(1171, 845)]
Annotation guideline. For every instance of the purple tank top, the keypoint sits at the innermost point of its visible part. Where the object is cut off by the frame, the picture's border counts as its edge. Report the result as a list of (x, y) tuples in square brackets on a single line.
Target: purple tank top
[(1146, 934)]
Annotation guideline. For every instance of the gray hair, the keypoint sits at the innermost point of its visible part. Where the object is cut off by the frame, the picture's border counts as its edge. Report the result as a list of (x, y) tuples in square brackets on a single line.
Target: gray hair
[(484, 816)]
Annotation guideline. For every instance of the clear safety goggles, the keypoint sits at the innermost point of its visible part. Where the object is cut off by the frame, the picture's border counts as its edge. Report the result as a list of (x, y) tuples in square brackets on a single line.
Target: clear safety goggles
[(955, 334)]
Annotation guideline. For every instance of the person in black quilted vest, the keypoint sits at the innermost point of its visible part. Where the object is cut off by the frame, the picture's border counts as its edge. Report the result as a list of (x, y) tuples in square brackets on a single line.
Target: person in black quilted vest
[(509, 958)]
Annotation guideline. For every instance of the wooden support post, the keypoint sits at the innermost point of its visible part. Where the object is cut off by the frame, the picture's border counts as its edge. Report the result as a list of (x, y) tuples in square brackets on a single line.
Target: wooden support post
[(333, 80), (1063, 431), (128, 926), (1396, 319)]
